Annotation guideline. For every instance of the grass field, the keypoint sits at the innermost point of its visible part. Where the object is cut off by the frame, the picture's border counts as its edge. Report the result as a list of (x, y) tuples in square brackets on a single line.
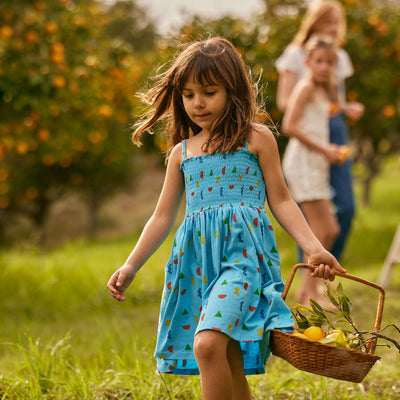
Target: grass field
[(63, 337)]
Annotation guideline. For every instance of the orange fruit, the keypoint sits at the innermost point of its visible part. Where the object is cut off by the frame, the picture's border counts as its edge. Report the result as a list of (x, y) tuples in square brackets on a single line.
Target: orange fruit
[(314, 333), (344, 153), (59, 81), (344, 150), (6, 32), (389, 111)]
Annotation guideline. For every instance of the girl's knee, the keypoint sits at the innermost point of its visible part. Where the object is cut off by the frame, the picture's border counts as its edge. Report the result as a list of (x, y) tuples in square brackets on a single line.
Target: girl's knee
[(209, 344)]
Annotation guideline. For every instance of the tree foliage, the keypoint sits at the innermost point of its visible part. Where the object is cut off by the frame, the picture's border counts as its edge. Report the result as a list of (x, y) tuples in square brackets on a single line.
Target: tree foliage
[(374, 46), (66, 92)]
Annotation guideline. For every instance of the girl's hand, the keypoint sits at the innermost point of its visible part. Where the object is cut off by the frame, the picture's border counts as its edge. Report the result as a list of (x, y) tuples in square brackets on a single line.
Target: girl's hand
[(335, 154), (331, 153), (354, 110), (325, 264), (120, 281)]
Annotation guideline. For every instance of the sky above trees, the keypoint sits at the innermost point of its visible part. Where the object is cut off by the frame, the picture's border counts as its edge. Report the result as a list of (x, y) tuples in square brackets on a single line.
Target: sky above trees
[(170, 14)]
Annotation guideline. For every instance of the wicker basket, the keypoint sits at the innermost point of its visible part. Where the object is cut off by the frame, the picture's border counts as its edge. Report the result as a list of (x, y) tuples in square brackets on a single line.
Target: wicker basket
[(324, 359)]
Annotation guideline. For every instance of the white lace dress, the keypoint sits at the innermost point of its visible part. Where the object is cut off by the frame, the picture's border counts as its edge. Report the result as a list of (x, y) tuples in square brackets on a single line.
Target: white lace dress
[(306, 170)]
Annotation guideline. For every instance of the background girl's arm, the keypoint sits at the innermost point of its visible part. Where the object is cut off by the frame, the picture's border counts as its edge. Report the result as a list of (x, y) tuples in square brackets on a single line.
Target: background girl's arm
[(156, 229), (290, 123), (352, 109), (286, 83), (284, 208)]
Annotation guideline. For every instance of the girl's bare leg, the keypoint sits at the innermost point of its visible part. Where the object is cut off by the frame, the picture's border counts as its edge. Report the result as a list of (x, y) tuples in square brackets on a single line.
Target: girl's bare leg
[(323, 223), (241, 388), (221, 367)]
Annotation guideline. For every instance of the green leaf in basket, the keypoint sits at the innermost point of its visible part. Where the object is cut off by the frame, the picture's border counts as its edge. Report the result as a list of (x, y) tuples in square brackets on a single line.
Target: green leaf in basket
[(339, 289), (301, 319), (317, 309), (301, 307), (329, 292), (315, 320), (345, 304), (342, 314)]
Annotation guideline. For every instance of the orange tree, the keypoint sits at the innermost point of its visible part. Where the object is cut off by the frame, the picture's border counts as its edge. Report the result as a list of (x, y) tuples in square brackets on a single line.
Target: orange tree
[(66, 90), (373, 45)]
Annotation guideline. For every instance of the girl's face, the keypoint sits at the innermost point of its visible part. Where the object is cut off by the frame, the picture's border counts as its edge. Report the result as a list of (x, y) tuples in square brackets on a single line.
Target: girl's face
[(321, 63), (204, 104), (329, 25)]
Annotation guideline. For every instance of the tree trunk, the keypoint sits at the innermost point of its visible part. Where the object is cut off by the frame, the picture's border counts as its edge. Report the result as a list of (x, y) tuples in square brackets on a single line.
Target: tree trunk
[(366, 196), (94, 205)]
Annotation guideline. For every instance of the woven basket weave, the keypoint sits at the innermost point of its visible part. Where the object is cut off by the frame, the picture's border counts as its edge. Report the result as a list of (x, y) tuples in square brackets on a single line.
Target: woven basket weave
[(324, 359)]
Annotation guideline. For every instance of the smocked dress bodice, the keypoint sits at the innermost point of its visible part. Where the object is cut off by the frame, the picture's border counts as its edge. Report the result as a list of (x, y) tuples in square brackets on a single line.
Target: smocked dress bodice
[(220, 180)]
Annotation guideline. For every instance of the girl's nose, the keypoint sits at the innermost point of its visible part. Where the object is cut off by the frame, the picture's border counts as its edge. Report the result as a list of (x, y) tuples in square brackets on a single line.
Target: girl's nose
[(198, 101)]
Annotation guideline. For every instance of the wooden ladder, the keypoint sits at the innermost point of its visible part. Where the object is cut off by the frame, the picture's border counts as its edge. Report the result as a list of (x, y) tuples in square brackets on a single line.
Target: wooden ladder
[(392, 257)]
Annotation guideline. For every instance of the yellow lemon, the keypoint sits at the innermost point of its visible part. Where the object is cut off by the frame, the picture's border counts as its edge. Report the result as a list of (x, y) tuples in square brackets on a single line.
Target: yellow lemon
[(339, 336), (314, 333), (298, 334)]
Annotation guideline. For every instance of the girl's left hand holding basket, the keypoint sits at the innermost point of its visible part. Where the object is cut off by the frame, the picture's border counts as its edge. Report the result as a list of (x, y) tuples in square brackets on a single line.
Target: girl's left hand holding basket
[(325, 265)]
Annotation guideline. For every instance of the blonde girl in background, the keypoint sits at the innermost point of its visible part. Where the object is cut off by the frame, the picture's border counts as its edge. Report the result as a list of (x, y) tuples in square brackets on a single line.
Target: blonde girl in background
[(326, 17), (308, 154), (223, 282)]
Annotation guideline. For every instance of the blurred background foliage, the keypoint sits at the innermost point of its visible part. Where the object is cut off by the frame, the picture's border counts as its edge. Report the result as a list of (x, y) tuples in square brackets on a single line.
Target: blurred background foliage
[(70, 69)]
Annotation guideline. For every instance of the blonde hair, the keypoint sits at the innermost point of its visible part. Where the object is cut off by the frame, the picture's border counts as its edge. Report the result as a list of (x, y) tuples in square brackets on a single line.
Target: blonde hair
[(320, 41), (209, 62), (317, 13)]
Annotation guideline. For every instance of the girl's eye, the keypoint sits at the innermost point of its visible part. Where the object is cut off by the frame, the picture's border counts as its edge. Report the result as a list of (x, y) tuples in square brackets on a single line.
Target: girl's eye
[(210, 93), (187, 96)]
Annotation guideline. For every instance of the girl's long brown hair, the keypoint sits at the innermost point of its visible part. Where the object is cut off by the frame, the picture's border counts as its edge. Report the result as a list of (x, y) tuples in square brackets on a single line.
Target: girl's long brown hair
[(209, 62)]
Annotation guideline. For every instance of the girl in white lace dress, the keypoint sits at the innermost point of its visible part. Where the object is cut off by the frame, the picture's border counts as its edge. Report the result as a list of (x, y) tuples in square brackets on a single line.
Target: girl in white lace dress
[(308, 155)]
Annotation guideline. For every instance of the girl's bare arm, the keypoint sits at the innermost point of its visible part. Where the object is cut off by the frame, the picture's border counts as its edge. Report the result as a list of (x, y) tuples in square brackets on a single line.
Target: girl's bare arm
[(156, 229), (302, 94), (286, 83), (284, 208)]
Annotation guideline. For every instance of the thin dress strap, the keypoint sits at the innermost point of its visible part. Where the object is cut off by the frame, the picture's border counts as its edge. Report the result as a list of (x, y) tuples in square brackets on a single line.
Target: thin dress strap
[(184, 149), (247, 143)]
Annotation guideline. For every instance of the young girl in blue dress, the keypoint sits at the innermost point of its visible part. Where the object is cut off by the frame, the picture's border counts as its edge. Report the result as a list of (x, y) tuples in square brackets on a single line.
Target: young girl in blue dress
[(223, 281)]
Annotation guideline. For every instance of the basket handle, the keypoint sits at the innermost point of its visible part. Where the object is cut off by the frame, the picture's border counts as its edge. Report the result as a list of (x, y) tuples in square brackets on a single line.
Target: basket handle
[(372, 344)]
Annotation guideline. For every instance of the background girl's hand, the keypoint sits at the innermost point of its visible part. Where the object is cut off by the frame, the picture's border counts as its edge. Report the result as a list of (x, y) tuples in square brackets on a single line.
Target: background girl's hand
[(331, 154), (120, 281), (325, 265), (354, 110), (337, 154)]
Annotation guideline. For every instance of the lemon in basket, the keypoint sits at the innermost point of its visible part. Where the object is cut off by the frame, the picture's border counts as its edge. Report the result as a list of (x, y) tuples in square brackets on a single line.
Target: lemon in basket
[(335, 337), (298, 334), (314, 333)]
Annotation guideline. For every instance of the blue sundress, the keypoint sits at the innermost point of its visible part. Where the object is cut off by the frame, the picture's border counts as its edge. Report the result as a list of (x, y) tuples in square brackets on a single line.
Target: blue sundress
[(224, 271)]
